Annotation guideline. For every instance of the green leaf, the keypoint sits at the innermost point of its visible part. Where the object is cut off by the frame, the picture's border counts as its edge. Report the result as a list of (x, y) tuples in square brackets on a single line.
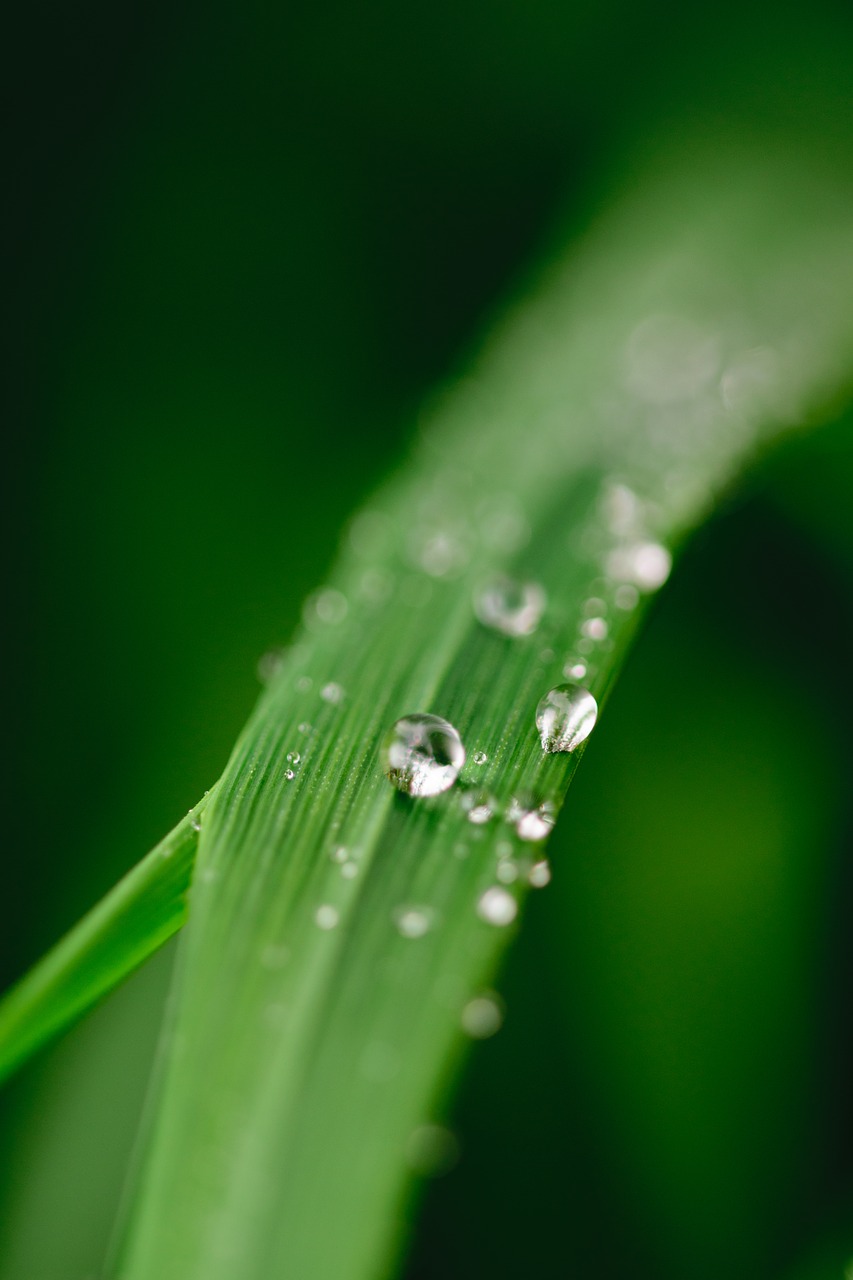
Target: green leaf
[(314, 1034), (134, 919)]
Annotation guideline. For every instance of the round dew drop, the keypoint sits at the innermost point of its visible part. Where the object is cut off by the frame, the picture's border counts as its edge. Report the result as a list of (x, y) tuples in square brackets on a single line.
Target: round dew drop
[(513, 608), (566, 717), (422, 754), (496, 906), (482, 1017)]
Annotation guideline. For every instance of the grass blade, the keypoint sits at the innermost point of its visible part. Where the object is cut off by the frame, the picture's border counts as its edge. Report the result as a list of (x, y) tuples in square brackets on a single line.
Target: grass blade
[(315, 1031), (134, 919)]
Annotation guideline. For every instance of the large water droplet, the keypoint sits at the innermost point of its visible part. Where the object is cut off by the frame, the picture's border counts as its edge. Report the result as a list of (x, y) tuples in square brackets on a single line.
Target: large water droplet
[(422, 754), (513, 608), (566, 717)]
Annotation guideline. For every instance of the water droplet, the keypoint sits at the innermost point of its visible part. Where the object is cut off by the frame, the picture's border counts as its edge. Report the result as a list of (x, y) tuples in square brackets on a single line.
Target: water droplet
[(431, 1150), (325, 608), (594, 629), (480, 757), (594, 606), (645, 565), (326, 916), (293, 757), (506, 872), (422, 754), (496, 906), (196, 824), (349, 870), (269, 664), (303, 684), (370, 532), (539, 874), (304, 727), (513, 608), (479, 806), (289, 775), (340, 853), (566, 717), (626, 597), (414, 922), (331, 692), (441, 554), (575, 669), (482, 1017), (376, 585), (532, 820)]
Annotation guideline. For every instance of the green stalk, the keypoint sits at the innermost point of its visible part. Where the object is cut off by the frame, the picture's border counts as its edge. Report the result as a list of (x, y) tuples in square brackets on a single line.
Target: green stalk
[(314, 1035)]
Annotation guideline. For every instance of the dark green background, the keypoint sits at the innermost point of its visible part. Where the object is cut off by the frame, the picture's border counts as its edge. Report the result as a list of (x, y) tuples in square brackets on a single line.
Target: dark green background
[(242, 243)]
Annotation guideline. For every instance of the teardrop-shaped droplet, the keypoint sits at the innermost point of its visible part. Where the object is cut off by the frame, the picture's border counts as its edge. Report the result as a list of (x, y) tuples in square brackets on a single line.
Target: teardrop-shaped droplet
[(422, 754), (566, 717), (513, 608)]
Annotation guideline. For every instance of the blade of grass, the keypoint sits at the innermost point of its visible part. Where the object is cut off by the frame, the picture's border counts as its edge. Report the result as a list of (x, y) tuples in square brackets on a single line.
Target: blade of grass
[(316, 1025), (133, 920)]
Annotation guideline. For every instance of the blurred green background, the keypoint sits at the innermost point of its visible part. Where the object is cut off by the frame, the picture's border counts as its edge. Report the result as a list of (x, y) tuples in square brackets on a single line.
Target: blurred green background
[(242, 244)]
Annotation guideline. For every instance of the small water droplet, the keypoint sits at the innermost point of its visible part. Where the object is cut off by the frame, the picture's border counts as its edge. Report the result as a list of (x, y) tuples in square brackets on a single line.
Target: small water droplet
[(413, 922), (303, 684), (645, 565), (326, 916), (370, 532), (422, 754), (480, 757), (196, 824), (479, 806), (594, 606), (332, 692), (504, 849), (431, 1150), (575, 669), (626, 597), (566, 717), (269, 664), (441, 554), (532, 820), (376, 585), (539, 874), (340, 853), (325, 608), (513, 608), (594, 629), (482, 1017), (304, 727), (289, 775), (506, 872), (293, 757), (496, 906), (349, 870)]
